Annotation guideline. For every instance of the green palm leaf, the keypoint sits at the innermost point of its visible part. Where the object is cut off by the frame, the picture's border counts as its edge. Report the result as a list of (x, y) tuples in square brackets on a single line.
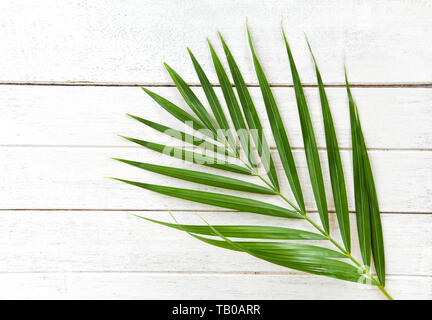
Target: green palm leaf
[(201, 177), (369, 197), (360, 192), (278, 130), (233, 108), (252, 117), (213, 102), (184, 136), (191, 156), (192, 100), (242, 231), (311, 150), (316, 265), (178, 112), (219, 200), (276, 249), (299, 261), (259, 241), (335, 163)]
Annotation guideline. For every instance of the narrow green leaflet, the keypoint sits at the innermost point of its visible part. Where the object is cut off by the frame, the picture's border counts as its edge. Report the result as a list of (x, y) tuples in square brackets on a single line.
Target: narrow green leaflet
[(276, 249), (369, 195), (219, 200), (311, 150), (213, 102), (201, 177), (252, 117), (316, 265), (233, 108), (191, 99), (245, 231), (335, 164), (184, 136), (191, 156), (278, 130), (376, 227), (360, 192), (307, 263), (180, 114)]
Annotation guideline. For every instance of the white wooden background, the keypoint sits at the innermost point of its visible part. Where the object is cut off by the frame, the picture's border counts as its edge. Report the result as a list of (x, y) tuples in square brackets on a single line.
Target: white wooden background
[(70, 70)]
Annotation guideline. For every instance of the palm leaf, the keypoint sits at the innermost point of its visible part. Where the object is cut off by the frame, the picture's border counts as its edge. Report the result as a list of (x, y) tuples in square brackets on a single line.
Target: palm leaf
[(307, 263), (335, 163), (277, 249), (252, 117), (233, 108), (219, 200), (192, 100), (311, 150), (360, 192), (178, 112), (278, 130), (259, 241), (201, 177), (213, 102), (369, 196), (316, 265), (184, 136), (191, 156), (243, 231)]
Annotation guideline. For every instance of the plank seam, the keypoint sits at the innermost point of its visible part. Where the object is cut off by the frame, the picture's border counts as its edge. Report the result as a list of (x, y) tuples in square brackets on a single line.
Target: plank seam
[(275, 85), (191, 147), (191, 272), (182, 210)]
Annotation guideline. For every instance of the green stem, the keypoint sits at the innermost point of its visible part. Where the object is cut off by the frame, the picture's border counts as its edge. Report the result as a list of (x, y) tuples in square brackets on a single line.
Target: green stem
[(325, 234), (366, 271), (384, 291)]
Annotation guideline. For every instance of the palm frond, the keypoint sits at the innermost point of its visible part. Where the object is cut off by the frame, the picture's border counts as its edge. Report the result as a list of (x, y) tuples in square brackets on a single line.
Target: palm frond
[(243, 231), (282, 246), (369, 218), (233, 108), (252, 117), (311, 150), (214, 103), (278, 129), (219, 200), (191, 99), (201, 177), (335, 164), (185, 137), (194, 157)]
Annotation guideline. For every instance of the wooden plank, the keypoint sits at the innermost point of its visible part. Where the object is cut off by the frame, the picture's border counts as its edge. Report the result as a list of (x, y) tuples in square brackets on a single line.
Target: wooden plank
[(73, 241), (128, 41), (197, 286), (53, 178), (34, 115)]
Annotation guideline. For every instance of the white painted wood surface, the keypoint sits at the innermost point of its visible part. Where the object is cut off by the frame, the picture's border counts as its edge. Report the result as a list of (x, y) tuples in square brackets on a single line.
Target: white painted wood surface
[(127, 41), (79, 181), (65, 231), (93, 116)]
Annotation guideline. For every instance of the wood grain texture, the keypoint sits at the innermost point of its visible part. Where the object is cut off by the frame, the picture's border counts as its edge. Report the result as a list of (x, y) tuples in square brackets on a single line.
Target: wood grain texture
[(82, 285), (93, 116), (62, 178), (127, 41), (65, 232), (95, 241)]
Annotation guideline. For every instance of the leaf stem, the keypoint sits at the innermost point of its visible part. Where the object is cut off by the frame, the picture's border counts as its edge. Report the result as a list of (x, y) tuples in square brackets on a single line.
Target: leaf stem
[(384, 291), (325, 234), (366, 271)]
